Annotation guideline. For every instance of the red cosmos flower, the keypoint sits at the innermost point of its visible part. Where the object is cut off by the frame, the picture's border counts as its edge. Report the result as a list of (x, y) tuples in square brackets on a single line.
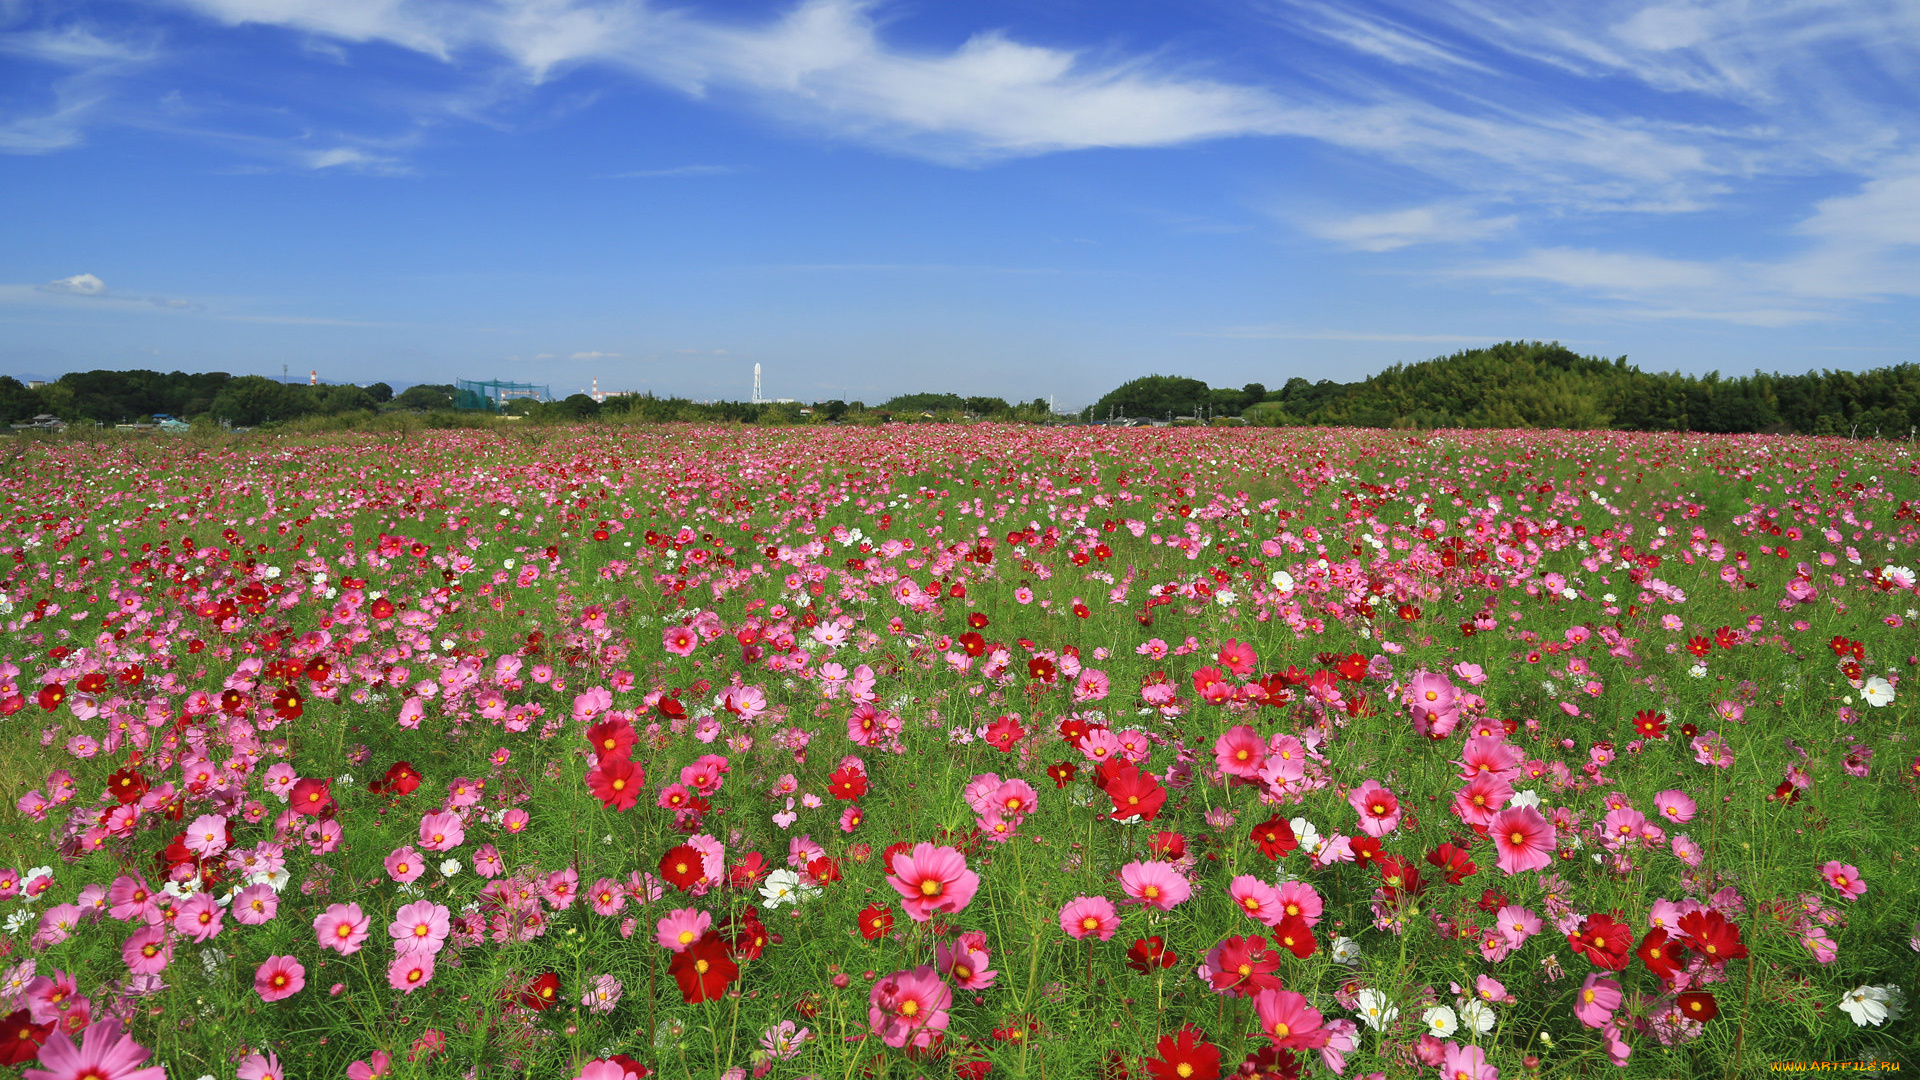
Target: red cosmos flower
[(746, 936), (1725, 637), (127, 785), (977, 620), (1132, 791), (824, 869), (1604, 942), (681, 867), (1699, 646), (847, 783), (1397, 876), (310, 797), (51, 695), (288, 704), (402, 778), (381, 608), (21, 1038), (1243, 967), (1275, 837), (1073, 729), (1184, 1056), (1366, 851), (703, 969), (748, 871), (612, 738), (1169, 845), (1062, 773), (1041, 669), (1650, 724), (671, 708), (541, 993), (1454, 861), (1294, 935), (972, 643), (1151, 952), (1004, 732), (1353, 668), (1697, 1005), (1712, 936), (876, 922), (617, 783), (1658, 953)]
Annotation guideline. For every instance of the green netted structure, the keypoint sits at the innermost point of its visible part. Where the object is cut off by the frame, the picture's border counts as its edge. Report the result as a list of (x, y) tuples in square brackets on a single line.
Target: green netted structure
[(493, 395)]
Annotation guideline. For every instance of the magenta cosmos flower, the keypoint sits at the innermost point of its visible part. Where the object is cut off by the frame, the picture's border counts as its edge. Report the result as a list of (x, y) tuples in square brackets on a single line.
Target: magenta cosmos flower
[(341, 928), (420, 927), (1523, 839), (1595, 1002), (442, 831), (1089, 916), (1379, 810), (104, 1053), (147, 951), (1287, 1019), (1240, 751), (909, 1006), (933, 879), (1155, 884), (1844, 878), (279, 977)]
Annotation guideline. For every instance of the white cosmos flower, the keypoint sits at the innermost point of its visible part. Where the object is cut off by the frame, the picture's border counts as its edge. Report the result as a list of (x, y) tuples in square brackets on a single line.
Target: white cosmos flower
[(1901, 576), (1528, 797), (1873, 1005), (1304, 832), (1375, 1010), (1440, 1021), (1345, 951), (1698, 671), (1477, 1015), (783, 887), (1878, 692), (1225, 597), (450, 867), (1282, 580)]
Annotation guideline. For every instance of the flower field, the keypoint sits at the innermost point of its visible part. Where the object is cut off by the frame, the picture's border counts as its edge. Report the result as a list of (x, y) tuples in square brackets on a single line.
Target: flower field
[(958, 751)]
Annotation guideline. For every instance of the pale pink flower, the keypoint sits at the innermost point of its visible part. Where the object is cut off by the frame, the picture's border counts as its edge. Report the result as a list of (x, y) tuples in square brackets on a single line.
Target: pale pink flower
[(341, 928), (1156, 884)]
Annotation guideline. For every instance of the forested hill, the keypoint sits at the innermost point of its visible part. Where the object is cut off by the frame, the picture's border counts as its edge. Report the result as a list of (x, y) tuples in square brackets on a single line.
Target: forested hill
[(1545, 385)]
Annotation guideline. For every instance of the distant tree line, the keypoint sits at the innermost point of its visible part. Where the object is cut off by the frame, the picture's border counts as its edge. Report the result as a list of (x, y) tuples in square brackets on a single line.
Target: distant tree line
[(1545, 385), (109, 398)]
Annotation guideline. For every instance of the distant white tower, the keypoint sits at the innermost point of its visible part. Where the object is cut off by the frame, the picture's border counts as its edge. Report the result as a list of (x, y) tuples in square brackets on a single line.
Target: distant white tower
[(756, 384)]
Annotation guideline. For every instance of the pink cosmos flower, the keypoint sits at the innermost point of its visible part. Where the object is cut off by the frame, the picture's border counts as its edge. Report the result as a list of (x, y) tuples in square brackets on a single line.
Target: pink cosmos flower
[(607, 897), (421, 926), (681, 928), (932, 880), (341, 928), (965, 965), (405, 865), (410, 971), (1674, 806), (1256, 899), (255, 905), (1523, 839), (260, 1067), (1297, 898), (1844, 878), (1379, 810), (488, 863), (147, 951), (104, 1053), (1240, 751), (1237, 657), (200, 917), (1466, 1063), (679, 640), (132, 898), (909, 1007), (442, 831), (1287, 1019), (1516, 924), (1156, 884), (603, 1070), (279, 977), (207, 836), (1089, 915), (375, 1068), (1595, 1002)]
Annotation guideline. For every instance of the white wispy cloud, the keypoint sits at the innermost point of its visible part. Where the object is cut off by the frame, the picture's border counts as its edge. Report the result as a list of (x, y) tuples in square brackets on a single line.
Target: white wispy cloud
[(595, 356), (1391, 229)]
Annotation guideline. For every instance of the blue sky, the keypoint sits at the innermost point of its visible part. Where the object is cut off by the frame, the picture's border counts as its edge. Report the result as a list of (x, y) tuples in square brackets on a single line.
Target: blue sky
[(1021, 199)]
